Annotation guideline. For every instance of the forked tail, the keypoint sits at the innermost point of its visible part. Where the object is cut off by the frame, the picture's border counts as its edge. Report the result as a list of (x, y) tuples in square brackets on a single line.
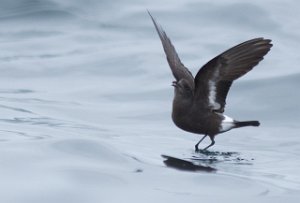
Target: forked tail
[(239, 124)]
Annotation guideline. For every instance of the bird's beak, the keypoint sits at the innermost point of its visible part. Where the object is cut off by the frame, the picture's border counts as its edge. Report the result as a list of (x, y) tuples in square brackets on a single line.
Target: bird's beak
[(174, 83)]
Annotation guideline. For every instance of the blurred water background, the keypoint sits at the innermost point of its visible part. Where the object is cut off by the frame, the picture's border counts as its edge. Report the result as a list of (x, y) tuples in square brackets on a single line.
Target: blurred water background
[(85, 101)]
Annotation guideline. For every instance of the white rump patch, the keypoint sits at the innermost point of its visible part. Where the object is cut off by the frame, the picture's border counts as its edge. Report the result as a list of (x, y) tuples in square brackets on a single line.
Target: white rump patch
[(212, 95), (227, 124)]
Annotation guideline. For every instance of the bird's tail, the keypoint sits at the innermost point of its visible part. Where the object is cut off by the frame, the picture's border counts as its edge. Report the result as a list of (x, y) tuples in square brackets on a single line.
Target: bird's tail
[(239, 124)]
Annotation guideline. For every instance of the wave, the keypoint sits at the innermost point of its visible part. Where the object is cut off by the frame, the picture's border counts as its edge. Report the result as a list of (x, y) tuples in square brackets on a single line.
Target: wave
[(33, 10)]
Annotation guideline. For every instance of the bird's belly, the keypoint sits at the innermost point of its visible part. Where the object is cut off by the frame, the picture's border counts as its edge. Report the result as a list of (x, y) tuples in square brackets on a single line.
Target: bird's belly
[(202, 125)]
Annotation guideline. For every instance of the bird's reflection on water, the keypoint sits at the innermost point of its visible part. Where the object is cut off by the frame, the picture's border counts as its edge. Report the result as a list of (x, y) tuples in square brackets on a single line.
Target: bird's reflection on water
[(185, 165), (205, 160)]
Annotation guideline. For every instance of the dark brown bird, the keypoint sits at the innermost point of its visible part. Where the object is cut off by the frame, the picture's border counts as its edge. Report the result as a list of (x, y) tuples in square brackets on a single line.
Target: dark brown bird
[(199, 102)]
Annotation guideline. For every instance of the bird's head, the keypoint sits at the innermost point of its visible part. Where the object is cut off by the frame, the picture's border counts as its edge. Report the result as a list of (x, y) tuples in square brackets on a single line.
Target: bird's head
[(183, 88)]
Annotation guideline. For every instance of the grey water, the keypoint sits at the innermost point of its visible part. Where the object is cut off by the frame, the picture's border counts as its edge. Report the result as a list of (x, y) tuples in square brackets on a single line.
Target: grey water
[(85, 102)]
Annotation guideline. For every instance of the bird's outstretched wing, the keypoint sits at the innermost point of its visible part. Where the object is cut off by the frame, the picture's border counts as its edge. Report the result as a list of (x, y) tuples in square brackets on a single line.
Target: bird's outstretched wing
[(214, 79), (178, 69)]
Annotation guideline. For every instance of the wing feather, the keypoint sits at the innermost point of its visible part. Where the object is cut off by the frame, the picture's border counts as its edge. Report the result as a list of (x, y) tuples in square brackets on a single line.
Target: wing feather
[(178, 69), (227, 67)]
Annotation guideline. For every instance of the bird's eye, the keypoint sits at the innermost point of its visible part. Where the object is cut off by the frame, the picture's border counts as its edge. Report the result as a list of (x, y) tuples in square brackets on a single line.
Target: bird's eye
[(186, 87)]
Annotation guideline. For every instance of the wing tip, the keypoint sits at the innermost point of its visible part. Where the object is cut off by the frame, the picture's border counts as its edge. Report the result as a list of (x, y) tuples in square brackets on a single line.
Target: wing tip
[(149, 13), (262, 41), (160, 31), (265, 44)]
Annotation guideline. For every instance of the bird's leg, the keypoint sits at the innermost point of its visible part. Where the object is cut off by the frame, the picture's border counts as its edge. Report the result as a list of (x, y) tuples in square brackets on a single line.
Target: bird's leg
[(212, 142), (196, 146)]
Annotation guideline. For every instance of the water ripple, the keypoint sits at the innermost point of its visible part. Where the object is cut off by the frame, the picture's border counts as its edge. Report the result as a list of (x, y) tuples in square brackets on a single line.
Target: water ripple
[(16, 109), (10, 135), (50, 122)]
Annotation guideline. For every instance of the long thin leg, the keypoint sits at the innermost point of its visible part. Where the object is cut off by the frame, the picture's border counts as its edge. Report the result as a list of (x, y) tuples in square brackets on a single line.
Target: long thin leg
[(211, 144), (196, 146)]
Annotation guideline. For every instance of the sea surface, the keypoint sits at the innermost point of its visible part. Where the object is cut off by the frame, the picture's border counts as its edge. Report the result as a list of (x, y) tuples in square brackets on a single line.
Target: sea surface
[(85, 102)]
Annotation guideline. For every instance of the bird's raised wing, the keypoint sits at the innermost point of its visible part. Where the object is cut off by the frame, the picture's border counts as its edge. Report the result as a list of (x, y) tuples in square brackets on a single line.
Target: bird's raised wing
[(178, 69), (214, 79)]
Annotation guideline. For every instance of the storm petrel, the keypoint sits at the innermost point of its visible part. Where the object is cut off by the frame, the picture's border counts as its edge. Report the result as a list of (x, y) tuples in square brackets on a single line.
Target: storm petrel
[(199, 102)]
